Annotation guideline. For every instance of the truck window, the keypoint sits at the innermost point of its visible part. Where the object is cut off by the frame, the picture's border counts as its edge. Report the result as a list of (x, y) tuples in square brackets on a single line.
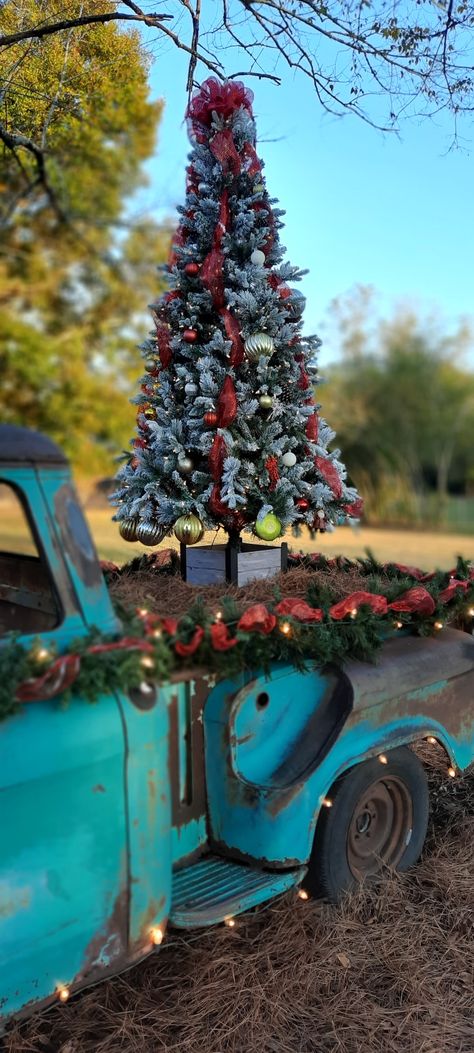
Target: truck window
[(28, 603)]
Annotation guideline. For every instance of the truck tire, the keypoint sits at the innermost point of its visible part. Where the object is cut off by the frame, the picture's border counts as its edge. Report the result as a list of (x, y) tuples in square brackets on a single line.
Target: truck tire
[(377, 819)]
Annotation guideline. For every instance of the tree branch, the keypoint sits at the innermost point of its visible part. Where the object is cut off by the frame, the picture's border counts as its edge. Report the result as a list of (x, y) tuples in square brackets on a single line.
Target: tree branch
[(40, 31)]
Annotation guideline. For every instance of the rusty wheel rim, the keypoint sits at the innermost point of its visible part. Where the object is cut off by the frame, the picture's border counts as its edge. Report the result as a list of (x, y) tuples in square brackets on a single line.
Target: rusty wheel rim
[(380, 827)]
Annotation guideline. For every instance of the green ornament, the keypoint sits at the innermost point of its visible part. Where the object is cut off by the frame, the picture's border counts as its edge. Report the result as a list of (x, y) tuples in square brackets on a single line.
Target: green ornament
[(266, 402), (268, 528)]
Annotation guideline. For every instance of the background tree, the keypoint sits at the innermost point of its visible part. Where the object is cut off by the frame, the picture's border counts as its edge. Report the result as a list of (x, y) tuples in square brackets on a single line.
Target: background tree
[(75, 268)]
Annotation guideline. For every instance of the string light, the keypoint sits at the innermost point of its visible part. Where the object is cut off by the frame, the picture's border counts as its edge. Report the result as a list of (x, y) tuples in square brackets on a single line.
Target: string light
[(218, 616), (431, 739), (383, 758), (157, 936), (303, 894), (157, 633), (354, 612), (146, 689), (147, 662), (326, 801), (42, 654), (438, 625), (142, 612), (452, 773), (285, 628), (63, 993), (471, 612), (230, 922), (397, 625)]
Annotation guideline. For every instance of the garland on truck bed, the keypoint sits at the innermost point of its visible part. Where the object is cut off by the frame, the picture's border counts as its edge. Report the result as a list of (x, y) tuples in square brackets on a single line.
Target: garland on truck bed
[(329, 624)]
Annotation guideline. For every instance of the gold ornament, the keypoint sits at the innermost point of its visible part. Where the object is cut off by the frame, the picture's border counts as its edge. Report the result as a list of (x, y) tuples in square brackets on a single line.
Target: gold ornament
[(188, 529), (128, 528), (266, 402), (258, 344), (150, 533)]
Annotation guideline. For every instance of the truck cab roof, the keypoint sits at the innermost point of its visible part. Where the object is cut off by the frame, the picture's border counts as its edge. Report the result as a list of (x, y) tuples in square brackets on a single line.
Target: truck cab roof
[(23, 446)]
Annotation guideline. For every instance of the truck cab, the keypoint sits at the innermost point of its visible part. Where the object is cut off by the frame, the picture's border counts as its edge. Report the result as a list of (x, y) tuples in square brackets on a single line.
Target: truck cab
[(189, 803)]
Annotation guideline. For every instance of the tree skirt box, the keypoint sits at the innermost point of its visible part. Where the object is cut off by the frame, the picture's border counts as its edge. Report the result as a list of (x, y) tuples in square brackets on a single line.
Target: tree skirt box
[(213, 564)]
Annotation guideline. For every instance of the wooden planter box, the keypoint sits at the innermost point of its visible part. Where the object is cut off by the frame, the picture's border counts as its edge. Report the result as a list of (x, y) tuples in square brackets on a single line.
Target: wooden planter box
[(217, 564)]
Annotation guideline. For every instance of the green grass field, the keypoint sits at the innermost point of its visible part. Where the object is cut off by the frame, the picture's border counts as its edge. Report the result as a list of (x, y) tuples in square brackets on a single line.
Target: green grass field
[(403, 546)]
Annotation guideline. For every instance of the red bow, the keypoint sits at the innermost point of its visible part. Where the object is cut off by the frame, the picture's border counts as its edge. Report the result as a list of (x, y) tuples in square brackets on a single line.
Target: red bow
[(185, 649), (300, 610), (257, 619), (216, 97), (357, 599), (220, 638), (415, 599)]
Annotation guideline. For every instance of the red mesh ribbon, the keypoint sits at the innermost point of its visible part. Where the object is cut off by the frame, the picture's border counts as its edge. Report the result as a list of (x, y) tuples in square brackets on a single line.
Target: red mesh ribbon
[(211, 271), (213, 96), (330, 475), (218, 507), (220, 638), (251, 162), (226, 407), (177, 243), (191, 180), (303, 380), (163, 345), (415, 599), (186, 649), (232, 331), (312, 427), (257, 619), (222, 146), (355, 510), (217, 455), (451, 590), (357, 599), (300, 610), (271, 464)]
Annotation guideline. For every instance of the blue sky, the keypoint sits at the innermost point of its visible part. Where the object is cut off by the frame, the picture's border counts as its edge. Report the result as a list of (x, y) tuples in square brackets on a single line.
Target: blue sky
[(361, 207)]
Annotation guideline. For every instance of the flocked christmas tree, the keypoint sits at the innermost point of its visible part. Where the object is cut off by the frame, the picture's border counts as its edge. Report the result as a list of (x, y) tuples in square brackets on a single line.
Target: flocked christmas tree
[(228, 433)]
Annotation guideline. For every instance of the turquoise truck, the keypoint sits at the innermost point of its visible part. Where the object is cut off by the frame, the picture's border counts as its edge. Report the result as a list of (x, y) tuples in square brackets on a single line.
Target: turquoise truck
[(193, 801)]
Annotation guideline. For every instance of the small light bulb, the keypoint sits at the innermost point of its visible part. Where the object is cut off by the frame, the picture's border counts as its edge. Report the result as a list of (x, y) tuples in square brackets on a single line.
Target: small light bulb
[(146, 689), (397, 625), (230, 922), (383, 758), (354, 612), (148, 662), (142, 612), (431, 739), (285, 628), (452, 773), (63, 993), (471, 612), (157, 633), (327, 802), (218, 616), (303, 894), (157, 936), (42, 654), (438, 625)]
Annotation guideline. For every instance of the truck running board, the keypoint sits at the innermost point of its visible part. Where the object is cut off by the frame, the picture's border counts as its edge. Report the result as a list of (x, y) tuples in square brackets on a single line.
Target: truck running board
[(215, 889)]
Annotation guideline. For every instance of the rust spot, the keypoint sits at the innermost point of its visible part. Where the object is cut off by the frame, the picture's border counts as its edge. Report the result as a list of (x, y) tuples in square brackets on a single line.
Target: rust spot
[(283, 798), (99, 788), (152, 790), (136, 822), (110, 944)]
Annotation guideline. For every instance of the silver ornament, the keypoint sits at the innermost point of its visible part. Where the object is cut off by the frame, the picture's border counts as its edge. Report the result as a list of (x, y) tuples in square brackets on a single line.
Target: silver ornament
[(185, 465), (295, 304), (150, 533), (128, 528), (258, 257), (257, 345), (191, 389), (289, 459), (151, 365)]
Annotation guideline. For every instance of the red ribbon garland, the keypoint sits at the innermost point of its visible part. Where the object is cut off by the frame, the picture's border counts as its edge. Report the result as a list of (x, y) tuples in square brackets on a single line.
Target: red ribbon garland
[(330, 475), (226, 407), (65, 670), (211, 274)]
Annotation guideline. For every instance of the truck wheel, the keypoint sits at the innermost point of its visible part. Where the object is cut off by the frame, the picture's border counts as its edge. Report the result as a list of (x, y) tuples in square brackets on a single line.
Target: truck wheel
[(378, 819)]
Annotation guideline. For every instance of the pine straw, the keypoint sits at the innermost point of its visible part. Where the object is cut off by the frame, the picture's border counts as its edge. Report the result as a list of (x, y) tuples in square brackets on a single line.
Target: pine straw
[(390, 971), (172, 596)]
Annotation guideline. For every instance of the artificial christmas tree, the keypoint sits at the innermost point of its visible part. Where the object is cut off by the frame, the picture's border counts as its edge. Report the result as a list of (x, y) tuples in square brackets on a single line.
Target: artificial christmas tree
[(228, 432)]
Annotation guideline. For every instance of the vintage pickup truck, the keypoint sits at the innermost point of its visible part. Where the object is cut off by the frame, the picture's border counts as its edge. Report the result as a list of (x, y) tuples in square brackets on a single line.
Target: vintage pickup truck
[(186, 805)]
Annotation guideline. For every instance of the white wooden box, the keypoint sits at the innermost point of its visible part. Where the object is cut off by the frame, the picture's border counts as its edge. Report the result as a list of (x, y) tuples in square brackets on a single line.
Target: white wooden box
[(218, 564)]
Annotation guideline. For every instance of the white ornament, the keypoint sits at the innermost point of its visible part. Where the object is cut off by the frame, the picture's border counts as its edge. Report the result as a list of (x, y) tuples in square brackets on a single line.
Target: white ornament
[(258, 257), (289, 459)]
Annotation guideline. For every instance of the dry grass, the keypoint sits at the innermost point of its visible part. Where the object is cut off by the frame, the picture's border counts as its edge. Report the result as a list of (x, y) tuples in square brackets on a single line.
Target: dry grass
[(390, 971)]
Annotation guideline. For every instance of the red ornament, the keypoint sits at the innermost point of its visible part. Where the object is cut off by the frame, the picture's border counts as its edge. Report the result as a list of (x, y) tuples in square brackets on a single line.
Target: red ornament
[(210, 418), (190, 336), (192, 269), (227, 403), (302, 504)]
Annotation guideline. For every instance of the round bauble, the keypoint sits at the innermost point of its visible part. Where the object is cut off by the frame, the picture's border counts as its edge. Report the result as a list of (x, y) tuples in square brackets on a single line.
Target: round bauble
[(185, 465), (190, 336), (302, 503), (258, 188), (191, 389), (151, 365), (192, 269), (268, 528), (128, 528), (150, 533), (257, 345), (258, 257), (289, 459), (149, 414), (210, 418), (265, 402), (295, 305), (188, 529)]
